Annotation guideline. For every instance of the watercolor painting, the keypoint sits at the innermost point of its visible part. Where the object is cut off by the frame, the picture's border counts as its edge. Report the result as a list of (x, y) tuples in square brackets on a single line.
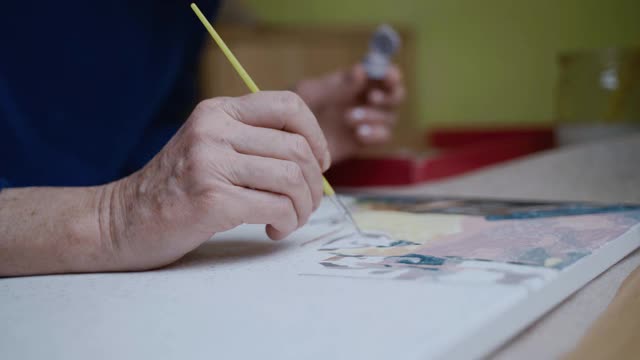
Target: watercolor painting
[(472, 239)]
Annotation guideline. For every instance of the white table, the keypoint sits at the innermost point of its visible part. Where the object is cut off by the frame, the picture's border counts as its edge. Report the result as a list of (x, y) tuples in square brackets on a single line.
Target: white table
[(597, 172)]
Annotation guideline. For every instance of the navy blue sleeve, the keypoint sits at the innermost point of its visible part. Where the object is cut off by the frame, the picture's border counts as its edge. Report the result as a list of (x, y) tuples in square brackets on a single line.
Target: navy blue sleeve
[(3, 184)]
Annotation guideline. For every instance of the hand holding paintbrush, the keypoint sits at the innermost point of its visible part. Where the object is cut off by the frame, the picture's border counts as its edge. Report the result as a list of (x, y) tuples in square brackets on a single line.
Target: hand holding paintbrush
[(328, 190), (357, 107)]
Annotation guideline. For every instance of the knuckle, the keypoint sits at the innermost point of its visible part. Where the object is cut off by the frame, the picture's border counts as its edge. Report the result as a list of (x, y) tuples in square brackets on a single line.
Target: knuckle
[(211, 104), (196, 132), (202, 109), (214, 105), (293, 174), (300, 148), (291, 100), (205, 130), (198, 126), (230, 105)]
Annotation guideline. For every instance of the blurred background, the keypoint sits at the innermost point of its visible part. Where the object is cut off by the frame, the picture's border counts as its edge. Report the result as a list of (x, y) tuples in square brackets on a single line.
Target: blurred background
[(516, 76)]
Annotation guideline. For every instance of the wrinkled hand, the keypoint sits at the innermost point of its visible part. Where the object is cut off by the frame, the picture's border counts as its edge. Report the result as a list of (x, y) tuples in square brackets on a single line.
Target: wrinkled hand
[(352, 111), (256, 159)]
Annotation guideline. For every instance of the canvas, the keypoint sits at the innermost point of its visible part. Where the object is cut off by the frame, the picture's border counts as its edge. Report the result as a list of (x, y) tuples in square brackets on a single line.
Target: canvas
[(489, 240)]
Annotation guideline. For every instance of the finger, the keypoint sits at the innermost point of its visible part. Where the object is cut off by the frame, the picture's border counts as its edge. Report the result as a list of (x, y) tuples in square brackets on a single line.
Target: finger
[(390, 97), (396, 96), (393, 77), (336, 88), (376, 96), (391, 93), (275, 234), (346, 84), (281, 110), (395, 84), (260, 207), (372, 134), (370, 115), (250, 140), (276, 176)]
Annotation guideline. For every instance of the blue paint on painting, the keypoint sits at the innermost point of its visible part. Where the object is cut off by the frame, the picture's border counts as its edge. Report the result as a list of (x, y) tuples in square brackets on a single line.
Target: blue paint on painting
[(424, 268), (417, 259), (633, 215), (535, 256), (398, 243), (563, 210)]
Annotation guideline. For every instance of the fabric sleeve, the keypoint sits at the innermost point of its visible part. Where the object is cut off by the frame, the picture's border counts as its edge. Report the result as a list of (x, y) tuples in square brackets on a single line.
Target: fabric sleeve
[(3, 184)]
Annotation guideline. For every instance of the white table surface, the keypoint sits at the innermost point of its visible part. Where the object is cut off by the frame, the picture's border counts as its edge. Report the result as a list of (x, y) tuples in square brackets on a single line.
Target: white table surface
[(607, 171)]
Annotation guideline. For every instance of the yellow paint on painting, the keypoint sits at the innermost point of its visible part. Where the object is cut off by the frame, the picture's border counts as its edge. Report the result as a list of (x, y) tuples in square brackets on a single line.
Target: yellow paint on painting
[(551, 262), (417, 228)]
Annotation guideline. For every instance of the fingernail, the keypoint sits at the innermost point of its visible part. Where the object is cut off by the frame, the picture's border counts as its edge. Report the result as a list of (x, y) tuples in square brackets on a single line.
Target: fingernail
[(326, 161), (365, 131), (357, 114)]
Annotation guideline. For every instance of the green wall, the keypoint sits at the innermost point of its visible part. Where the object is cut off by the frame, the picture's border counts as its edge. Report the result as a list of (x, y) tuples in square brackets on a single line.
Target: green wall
[(480, 61)]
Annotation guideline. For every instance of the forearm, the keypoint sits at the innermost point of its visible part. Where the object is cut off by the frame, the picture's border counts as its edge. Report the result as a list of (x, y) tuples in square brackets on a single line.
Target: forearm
[(53, 230)]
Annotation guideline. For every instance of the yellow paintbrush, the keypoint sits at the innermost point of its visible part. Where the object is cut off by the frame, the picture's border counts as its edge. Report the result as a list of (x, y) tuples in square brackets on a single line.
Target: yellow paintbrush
[(328, 190)]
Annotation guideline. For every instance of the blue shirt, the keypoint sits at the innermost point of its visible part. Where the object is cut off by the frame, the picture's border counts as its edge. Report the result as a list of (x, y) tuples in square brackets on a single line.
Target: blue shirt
[(91, 90)]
